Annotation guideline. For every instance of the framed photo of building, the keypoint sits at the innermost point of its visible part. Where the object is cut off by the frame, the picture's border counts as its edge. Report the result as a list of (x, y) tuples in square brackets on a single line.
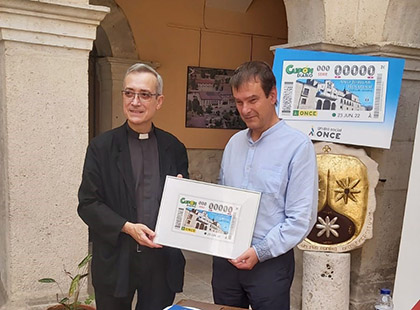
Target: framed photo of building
[(209, 102), (206, 218)]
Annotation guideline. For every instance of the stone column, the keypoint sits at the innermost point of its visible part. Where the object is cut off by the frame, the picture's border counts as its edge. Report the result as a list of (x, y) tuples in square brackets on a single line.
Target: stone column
[(44, 48), (326, 281), (375, 28)]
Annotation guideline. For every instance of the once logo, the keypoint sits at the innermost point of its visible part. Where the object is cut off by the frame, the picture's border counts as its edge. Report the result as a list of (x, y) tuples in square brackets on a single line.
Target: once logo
[(327, 134), (307, 113)]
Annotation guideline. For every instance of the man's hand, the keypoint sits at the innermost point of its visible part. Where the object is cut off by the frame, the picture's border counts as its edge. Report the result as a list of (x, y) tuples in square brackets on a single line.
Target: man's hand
[(141, 233), (246, 261)]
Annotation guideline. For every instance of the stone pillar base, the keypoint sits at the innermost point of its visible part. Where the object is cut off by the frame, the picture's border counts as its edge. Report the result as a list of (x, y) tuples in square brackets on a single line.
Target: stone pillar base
[(326, 281)]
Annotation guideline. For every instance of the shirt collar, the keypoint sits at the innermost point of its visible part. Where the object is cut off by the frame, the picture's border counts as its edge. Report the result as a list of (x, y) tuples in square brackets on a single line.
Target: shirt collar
[(134, 134), (277, 126)]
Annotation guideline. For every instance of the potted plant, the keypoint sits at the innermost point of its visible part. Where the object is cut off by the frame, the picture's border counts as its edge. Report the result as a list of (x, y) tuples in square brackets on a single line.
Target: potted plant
[(70, 301)]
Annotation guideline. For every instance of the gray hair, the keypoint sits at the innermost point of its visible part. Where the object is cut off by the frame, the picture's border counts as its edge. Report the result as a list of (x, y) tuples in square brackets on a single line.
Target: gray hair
[(141, 67)]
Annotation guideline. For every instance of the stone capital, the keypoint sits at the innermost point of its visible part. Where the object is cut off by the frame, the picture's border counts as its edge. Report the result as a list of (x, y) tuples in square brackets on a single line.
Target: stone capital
[(52, 24), (352, 22)]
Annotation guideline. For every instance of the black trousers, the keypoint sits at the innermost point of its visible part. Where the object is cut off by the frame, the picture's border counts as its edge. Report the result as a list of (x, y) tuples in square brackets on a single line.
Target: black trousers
[(265, 287), (148, 278)]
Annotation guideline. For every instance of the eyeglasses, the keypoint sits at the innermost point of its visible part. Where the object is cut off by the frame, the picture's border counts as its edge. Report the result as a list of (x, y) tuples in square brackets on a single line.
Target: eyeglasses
[(143, 95)]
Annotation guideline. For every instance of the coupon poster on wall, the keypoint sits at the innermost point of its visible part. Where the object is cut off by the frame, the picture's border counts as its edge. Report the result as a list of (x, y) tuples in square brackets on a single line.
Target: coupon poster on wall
[(341, 98)]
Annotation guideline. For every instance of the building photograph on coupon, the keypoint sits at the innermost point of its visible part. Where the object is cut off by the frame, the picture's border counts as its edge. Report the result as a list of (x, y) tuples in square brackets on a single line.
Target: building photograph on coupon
[(345, 95), (207, 221)]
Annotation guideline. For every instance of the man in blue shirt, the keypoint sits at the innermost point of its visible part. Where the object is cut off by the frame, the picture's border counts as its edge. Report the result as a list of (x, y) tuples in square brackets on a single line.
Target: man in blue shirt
[(280, 162)]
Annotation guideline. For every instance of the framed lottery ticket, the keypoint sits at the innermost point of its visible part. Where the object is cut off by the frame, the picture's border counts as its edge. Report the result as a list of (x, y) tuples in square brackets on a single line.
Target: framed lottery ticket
[(206, 218)]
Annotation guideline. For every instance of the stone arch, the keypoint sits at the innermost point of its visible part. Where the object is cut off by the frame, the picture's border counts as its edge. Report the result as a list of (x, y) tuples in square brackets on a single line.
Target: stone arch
[(297, 11), (402, 10), (326, 105), (114, 50), (114, 37)]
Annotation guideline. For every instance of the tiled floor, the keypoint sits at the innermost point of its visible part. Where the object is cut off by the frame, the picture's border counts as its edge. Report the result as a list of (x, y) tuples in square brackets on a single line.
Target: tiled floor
[(197, 282)]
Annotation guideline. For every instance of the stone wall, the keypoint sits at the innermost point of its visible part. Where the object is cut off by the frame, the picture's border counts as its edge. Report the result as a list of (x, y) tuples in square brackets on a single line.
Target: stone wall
[(3, 186), (204, 165)]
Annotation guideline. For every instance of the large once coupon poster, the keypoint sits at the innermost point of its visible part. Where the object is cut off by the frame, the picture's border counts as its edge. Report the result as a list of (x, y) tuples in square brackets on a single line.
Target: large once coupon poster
[(339, 97)]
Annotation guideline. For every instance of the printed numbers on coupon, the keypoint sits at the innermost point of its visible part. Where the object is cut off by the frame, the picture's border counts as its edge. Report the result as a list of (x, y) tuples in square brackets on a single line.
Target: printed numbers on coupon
[(220, 207), (323, 68), (354, 70)]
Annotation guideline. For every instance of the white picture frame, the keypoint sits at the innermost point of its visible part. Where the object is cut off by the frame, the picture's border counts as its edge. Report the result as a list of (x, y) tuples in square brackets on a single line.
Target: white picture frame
[(206, 218)]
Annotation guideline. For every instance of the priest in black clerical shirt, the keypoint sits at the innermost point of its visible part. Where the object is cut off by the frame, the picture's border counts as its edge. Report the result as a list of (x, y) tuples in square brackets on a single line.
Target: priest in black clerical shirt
[(119, 197)]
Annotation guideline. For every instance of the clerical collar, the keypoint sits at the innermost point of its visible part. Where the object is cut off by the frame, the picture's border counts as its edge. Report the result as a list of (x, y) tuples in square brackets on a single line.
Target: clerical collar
[(139, 136)]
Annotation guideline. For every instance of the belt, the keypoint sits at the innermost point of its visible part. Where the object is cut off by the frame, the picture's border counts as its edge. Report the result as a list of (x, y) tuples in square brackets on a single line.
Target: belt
[(142, 249)]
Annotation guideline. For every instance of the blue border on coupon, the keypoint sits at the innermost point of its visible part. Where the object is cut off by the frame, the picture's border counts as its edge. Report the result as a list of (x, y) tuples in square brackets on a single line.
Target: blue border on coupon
[(395, 73)]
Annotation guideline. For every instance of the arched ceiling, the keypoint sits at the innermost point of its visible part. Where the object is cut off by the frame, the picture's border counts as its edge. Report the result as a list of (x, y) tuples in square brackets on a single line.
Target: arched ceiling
[(230, 5)]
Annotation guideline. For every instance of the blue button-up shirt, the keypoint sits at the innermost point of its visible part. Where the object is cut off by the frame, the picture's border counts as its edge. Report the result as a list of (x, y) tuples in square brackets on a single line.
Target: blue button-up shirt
[(281, 165)]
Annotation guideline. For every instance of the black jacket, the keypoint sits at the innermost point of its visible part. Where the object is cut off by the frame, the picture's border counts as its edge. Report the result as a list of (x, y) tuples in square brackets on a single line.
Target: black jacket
[(106, 202)]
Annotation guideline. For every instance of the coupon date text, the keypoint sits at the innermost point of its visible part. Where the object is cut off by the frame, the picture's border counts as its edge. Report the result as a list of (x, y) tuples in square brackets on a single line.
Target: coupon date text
[(347, 115)]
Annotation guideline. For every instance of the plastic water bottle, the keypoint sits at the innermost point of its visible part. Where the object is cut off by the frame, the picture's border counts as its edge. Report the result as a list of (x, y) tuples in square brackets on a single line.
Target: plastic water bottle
[(384, 301)]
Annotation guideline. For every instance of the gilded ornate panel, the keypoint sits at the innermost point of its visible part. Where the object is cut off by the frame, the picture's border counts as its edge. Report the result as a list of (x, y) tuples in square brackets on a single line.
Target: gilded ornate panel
[(347, 178)]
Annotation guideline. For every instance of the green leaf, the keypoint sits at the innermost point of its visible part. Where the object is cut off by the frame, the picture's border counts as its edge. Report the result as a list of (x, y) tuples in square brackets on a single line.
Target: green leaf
[(74, 285), (64, 301), (47, 280), (85, 260), (89, 300)]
